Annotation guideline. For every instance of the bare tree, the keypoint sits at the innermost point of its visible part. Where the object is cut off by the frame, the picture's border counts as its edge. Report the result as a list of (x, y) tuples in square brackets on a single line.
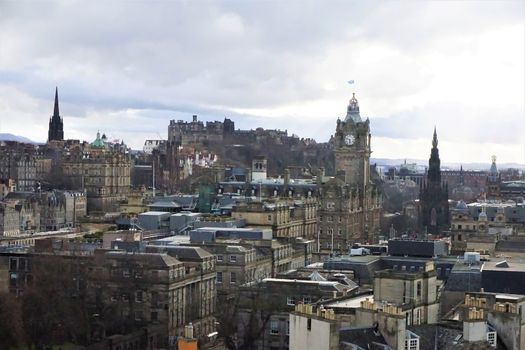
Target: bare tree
[(11, 327), (244, 315), (53, 307)]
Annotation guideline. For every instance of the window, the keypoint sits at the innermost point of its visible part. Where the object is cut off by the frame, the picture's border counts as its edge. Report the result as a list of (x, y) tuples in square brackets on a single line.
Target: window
[(309, 324), (233, 277), (21, 264), (13, 278), (290, 301), (419, 289), (13, 264), (412, 344), (154, 315), (269, 218), (125, 273), (274, 327), (307, 300), (491, 338), (220, 258), (139, 297), (154, 297), (219, 277), (139, 315), (287, 327), (233, 258)]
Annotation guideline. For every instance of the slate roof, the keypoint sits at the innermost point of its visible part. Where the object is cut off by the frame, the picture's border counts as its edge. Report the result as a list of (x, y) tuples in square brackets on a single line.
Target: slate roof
[(364, 337), (188, 253), (149, 259)]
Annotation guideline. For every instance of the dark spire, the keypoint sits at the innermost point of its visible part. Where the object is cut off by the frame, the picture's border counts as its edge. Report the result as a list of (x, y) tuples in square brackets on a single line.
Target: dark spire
[(55, 112), (434, 163), (56, 125)]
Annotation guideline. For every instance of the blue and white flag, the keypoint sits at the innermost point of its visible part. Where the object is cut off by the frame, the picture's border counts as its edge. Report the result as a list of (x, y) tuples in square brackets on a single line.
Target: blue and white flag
[(351, 82)]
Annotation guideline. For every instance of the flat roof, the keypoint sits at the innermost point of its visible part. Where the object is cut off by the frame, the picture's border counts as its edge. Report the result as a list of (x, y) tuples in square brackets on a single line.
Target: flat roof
[(351, 303), (513, 266)]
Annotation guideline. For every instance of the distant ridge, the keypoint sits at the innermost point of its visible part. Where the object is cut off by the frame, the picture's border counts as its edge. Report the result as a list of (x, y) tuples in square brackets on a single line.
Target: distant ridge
[(11, 137), (445, 165)]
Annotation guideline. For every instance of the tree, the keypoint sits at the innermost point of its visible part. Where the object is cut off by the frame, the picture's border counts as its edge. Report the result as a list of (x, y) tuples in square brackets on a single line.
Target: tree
[(11, 327), (53, 307), (244, 315)]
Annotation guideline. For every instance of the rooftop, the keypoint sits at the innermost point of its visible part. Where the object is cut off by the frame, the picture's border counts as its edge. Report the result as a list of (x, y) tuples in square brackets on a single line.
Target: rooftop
[(350, 303)]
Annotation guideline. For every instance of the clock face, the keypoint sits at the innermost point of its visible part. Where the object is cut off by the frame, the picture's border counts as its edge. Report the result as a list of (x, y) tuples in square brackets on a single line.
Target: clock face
[(349, 140)]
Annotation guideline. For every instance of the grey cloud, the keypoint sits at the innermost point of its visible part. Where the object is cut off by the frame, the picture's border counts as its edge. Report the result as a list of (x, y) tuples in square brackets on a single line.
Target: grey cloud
[(165, 59)]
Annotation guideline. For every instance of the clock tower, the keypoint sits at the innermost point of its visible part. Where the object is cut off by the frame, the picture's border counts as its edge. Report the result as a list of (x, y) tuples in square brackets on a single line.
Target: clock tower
[(350, 202), (352, 147)]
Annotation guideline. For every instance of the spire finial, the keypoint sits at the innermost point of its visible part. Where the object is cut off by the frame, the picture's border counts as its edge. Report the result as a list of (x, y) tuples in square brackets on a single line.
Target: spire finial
[(435, 139), (56, 112)]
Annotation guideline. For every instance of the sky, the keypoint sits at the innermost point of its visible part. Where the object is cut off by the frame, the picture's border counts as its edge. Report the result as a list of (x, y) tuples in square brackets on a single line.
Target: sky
[(127, 68)]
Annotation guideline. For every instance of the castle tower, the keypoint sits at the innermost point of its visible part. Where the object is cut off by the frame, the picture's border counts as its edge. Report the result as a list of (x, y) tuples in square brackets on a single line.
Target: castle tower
[(433, 195), (56, 124)]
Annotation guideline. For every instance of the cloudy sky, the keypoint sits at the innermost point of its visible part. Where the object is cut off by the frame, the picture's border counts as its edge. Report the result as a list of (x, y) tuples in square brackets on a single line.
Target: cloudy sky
[(127, 67)]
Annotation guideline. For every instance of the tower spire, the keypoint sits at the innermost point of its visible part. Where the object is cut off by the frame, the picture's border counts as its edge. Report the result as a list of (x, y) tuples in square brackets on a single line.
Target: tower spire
[(56, 112), (435, 139), (56, 125)]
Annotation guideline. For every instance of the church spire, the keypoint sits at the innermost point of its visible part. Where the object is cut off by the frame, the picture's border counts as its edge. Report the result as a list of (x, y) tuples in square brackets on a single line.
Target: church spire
[(56, 125), (56, 112), (435, 139)]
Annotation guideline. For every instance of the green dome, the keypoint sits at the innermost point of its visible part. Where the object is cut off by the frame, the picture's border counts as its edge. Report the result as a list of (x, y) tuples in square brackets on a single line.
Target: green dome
[(98, 143)]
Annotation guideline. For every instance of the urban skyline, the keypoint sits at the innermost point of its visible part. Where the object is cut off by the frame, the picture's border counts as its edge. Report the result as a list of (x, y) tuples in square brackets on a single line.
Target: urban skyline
[(276, 71)]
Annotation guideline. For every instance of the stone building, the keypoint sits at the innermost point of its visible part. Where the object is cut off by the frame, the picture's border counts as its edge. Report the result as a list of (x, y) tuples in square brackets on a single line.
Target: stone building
[(433, 196), (414, 291), (286, 218), (18, 162), (102, 169), (31, 212), (349, 204), (128, 292)]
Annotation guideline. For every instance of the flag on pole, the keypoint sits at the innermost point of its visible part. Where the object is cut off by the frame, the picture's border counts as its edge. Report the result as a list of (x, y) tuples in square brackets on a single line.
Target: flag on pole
[(351, 82)]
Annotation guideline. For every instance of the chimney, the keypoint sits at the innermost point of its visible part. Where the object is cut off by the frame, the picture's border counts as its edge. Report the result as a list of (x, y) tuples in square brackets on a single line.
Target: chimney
[(188, 331)]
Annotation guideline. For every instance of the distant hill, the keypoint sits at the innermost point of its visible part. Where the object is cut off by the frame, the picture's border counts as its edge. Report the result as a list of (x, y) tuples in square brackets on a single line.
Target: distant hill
[(11, 137), (466, 166)]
